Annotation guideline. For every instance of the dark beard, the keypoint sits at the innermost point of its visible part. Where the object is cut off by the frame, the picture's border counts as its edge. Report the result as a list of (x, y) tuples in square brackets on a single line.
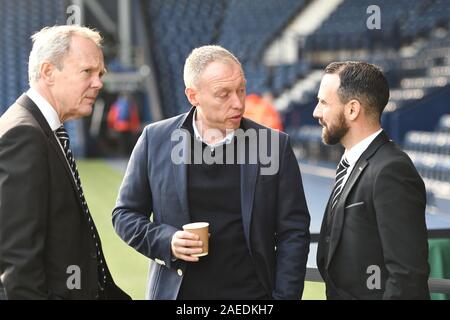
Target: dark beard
[(335, 136)]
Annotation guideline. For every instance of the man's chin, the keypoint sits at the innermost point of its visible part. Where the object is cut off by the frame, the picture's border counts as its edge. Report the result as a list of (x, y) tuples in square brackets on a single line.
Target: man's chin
[(329, 139), (233, 123), (86, 110)]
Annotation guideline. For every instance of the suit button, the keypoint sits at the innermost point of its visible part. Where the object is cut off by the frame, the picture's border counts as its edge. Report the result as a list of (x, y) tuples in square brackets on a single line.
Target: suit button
[(180, 272), (327, 239)]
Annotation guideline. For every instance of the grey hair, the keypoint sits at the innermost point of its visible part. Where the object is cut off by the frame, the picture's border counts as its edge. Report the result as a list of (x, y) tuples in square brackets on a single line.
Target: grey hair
[(51, 44), (200, 58)]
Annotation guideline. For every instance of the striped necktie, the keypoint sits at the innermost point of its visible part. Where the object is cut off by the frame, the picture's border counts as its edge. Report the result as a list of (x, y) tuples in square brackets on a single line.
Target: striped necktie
[(341, 171), (63, 138)]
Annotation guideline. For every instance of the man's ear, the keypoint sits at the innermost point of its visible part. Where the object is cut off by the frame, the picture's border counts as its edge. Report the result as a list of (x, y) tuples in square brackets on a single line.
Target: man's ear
[(191, 95), (353, 109), (47, 72)]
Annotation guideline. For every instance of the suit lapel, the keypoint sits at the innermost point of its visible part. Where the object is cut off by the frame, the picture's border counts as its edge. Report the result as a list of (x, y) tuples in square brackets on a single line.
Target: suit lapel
[(249, 176), (249, 173), (338, 216), (180, 170), (323, 234), (28, 104)]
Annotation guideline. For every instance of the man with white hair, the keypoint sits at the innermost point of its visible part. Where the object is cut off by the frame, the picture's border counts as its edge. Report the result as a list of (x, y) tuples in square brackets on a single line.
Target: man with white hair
[(49, 246)]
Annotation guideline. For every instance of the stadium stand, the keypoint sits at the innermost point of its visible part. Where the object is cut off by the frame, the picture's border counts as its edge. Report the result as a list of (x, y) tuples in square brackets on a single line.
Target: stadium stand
[(430, 151), (245, 27), (444, 124), (18, 21), (248, 26), (197, 23)]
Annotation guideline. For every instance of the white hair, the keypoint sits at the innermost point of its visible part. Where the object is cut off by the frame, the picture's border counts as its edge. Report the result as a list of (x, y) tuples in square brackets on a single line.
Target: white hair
[(52, 43), (200, 58)]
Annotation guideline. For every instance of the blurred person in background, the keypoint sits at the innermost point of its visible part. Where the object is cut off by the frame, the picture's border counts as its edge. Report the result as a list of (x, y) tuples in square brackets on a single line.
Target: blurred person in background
[(123, 119), (261, 110)]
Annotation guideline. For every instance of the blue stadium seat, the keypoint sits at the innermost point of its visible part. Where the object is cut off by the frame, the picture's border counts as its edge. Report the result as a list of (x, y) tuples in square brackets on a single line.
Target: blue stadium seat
[(431, 165), (444, 123), (346, 27)]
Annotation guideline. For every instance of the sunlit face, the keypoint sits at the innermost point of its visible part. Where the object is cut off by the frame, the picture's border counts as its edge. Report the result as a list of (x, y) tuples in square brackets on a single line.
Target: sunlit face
[(330, 110), (219, 95), (78, 83)]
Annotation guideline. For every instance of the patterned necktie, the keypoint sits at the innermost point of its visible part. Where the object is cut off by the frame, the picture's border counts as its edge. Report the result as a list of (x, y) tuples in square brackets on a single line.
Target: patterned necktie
[(63, 138), (341, 171)]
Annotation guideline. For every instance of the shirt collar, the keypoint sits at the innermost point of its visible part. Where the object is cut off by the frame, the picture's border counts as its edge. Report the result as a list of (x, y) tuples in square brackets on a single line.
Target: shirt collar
[(352, 155), (46, 109), (229, 137)]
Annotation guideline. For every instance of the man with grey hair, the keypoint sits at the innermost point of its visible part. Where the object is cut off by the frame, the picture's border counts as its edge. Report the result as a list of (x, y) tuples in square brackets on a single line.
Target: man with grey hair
[(258, 221), (49, 246)]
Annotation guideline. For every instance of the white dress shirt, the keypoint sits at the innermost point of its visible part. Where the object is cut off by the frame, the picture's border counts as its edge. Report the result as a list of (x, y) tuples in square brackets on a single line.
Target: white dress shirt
[(229, 137), (46, 109), (49, 113), (354, 153)]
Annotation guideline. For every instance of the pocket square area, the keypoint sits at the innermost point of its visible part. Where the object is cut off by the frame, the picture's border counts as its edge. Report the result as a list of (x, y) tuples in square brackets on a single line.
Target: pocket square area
[(354, 204)]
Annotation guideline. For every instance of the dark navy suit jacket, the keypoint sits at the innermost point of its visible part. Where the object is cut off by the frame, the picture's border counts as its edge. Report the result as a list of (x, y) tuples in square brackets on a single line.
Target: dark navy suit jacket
[(274, 211)]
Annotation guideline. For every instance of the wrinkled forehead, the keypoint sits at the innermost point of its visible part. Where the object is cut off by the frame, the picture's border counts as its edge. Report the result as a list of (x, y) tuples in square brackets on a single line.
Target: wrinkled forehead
[(84, 51), (222, 72)]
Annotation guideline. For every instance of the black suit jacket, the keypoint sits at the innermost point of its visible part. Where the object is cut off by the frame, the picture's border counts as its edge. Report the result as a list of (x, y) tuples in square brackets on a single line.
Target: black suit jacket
[(378, 225), (43, 230)]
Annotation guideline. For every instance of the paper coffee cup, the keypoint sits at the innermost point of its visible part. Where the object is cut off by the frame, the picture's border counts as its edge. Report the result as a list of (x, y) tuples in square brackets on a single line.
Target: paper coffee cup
[(200, 228)]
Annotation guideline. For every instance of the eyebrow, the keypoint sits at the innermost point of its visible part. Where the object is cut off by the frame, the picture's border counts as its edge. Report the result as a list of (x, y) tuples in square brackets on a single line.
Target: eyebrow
[(91, 67), (221, 89)]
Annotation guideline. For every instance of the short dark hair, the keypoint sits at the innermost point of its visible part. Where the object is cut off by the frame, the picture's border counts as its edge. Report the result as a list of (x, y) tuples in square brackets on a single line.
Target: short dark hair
[(364, 82)]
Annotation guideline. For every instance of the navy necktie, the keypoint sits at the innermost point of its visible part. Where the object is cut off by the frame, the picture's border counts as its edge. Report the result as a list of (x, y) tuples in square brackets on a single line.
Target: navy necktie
[(63, 138)]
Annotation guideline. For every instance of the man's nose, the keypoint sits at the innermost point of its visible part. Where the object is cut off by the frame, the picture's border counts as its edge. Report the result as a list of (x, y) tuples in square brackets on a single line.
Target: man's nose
[(238, 102), (317, 114), (97, 83)]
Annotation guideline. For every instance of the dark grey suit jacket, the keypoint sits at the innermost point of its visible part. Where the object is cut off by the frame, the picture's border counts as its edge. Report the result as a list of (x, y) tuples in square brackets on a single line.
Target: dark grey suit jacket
[(43, 230), (378, 221), (274, 212)]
